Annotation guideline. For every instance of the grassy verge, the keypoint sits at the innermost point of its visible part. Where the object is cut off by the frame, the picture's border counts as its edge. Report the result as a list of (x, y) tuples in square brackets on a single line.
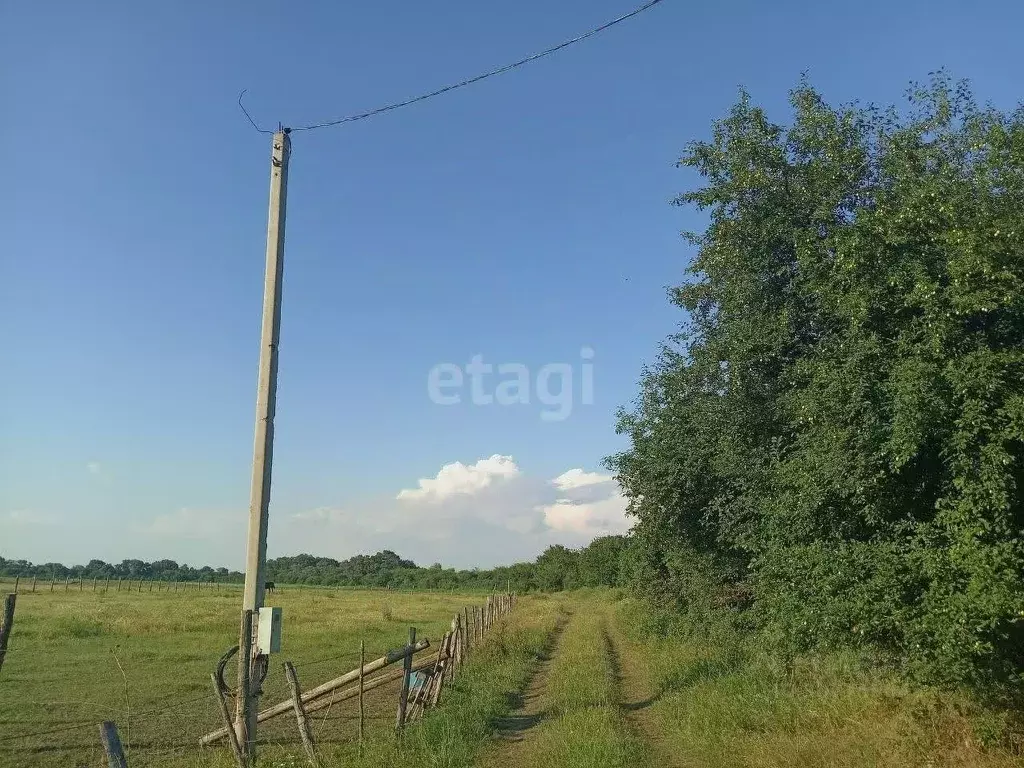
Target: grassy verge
[(452, 735), (586, 728), (725, 701)]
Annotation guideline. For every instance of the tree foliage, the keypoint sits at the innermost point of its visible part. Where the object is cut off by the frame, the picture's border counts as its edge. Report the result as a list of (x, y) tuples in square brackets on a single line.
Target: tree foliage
[(837, 431), (556, 569)]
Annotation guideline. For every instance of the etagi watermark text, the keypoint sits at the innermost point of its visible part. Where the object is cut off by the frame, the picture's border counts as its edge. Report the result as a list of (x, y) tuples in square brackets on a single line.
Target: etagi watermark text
[(551, 386)]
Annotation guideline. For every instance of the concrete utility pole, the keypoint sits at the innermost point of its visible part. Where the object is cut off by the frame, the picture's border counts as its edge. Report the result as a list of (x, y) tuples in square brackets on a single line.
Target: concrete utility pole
[(251, 669)]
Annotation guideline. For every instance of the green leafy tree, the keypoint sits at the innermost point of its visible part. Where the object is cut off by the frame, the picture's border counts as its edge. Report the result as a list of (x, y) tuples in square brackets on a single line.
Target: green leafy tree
[(838, 428)]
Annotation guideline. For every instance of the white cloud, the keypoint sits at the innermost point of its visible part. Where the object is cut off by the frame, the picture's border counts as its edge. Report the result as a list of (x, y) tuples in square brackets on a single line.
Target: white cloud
[(599, 518), (93, 467), (477, 514), (578, 478), (459, 479)]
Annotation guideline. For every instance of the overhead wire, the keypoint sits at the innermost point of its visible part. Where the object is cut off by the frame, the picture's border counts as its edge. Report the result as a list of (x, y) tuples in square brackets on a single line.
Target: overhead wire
[(461, 84)]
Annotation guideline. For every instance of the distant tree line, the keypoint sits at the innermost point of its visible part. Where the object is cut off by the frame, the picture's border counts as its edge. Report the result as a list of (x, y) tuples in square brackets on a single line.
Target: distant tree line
[(831, 449), (558, 568)]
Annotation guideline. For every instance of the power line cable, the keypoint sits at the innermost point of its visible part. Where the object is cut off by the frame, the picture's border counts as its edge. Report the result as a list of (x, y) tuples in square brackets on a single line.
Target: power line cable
[(461, 84)]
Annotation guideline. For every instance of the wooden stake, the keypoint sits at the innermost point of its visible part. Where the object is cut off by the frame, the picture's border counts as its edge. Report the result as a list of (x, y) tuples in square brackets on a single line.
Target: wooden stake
[(8, 623), (243, 700), (112, 745), (300, 713), (362, 664), (403, 696), (33, 583), (225, 715), (443, 656), (16, 580)]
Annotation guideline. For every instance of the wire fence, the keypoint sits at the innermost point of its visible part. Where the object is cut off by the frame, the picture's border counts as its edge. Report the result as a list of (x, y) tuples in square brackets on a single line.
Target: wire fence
[(162, 699)]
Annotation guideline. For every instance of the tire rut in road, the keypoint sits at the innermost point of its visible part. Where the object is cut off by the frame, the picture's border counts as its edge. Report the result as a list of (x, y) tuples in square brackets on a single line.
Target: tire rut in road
[(636, 693), (530, 711)]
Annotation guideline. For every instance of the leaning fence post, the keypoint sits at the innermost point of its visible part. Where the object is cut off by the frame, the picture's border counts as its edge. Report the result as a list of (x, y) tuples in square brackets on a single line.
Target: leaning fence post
[(441, 669), (300, 713), (112, 745), (403, 696), (33, 583), (226, 717), (16, 580), (5, 627)]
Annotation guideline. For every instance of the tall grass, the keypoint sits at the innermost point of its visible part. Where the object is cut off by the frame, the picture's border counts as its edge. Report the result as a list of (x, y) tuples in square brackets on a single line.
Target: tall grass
[(733, 702), (484, 691), (586, 729)]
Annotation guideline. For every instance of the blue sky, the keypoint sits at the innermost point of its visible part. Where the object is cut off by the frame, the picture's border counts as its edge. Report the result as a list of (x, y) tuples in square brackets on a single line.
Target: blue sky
[(521, 219)]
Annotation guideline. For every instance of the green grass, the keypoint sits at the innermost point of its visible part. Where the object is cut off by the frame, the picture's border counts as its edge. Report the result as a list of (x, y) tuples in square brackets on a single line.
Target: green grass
[(63, 671), (453, 735), (585, 728), (725, 701)]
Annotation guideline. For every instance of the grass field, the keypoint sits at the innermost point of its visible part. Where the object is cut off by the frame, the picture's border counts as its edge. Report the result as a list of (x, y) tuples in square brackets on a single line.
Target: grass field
[(575, 680), (144, 659)]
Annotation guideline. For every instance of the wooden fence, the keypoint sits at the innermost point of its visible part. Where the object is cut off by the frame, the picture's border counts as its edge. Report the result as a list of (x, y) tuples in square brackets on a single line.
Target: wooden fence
[(424, 674)]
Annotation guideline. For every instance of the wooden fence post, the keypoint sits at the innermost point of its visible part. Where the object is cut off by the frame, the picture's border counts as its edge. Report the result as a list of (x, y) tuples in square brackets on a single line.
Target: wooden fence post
[(16, 580), (456, 652), (225, 715), (403, 696), (81, 583), (106, 583), (465, 627), (95, 580), (6, 625), (243, 699), (362, 715), (300, 713), (441, 669), (67, 582), (118, 583), (112, 745), (33, 583)]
